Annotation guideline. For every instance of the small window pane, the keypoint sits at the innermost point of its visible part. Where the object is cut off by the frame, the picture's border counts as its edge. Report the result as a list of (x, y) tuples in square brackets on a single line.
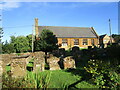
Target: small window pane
[(85, 42), (64, 42), (76, 41), (92, 41)]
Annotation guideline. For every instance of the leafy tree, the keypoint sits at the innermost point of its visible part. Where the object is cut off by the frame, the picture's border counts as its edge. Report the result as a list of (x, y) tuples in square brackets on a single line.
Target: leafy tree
[(47, 42), (20, 43), (29, 38), (8, 47), (12, 39)]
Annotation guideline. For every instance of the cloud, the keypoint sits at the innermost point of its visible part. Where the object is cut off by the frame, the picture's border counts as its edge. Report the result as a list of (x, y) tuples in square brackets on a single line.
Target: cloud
[(9, 5)]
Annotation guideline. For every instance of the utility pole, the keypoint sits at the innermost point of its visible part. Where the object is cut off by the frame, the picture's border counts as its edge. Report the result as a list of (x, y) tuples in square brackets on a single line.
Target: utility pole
[(110, 31), (32, 38)]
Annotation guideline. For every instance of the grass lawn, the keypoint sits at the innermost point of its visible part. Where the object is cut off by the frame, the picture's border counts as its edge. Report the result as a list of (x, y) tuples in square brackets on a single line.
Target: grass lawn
[(8, 68), (62, 79)]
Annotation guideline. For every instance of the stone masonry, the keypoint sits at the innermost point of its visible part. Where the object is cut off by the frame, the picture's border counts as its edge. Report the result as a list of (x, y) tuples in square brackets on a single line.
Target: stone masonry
[(39, 62), (69, 62), (53, 63), (18, 67)]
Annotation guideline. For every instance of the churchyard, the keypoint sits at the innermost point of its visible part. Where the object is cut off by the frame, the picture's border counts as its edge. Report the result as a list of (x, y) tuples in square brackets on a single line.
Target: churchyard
[(71, 69)]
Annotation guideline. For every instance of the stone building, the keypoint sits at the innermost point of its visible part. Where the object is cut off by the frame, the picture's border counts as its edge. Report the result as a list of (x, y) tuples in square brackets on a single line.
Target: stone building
[(69, 37), (104, 40)]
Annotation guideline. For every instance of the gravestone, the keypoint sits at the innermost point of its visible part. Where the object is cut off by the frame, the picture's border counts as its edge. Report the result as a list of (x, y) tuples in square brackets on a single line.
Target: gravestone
[(75, 51), (39, 62), (18, 66), (62, 51), (69, 63), (53, 63), (89, 47)]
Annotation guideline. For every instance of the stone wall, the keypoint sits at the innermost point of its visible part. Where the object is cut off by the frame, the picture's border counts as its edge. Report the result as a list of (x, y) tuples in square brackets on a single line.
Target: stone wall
[(6, 60), (19, 63)]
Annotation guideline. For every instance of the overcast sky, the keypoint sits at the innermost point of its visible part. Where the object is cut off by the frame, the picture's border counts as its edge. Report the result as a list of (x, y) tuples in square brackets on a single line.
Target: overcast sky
[(18, 17)]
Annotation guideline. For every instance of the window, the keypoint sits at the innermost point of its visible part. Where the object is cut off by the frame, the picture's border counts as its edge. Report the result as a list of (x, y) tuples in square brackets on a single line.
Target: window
[(92, 41), (76, 41), (85, 42), (64, 42)]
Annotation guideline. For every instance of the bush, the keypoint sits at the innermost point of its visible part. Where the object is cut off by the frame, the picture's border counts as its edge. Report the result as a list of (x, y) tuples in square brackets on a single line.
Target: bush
[(102, 74), (31, 80), (9, 82), (113, 51)]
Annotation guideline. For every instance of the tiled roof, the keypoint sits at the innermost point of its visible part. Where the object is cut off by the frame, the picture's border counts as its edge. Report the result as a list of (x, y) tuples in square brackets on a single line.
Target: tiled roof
[(102, 36), (70, 32)]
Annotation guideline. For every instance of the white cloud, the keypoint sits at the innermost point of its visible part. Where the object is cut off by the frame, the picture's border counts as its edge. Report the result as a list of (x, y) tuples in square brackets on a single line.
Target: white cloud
[(9, 5)]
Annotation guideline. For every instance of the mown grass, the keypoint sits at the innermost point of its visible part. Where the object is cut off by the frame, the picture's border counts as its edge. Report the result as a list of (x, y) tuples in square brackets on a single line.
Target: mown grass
[(60, 79), (48, 79)]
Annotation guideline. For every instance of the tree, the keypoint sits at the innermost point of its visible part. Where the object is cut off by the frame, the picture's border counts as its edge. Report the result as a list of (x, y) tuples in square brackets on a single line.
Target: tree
[(20, 43), (29, 38), (8, 47), (48, 41)]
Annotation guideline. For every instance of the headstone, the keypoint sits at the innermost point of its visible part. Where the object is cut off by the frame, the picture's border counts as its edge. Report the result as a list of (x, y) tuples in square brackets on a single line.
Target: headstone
[(89, 47), (53, 63), (75, 48), (69, 63), (62, 51), (39, 62), (18, 67), (75, 51)]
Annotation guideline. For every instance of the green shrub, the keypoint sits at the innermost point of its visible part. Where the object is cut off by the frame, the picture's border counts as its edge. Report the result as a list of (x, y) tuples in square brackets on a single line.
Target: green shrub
[(9, 82), (102, 74)]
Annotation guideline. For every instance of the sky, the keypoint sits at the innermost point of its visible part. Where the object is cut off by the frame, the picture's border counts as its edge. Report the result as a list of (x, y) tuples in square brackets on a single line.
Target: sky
[(18, 17)]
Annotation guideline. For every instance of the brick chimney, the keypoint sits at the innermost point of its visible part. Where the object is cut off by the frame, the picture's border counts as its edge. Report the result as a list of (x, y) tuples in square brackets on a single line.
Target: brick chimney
[(36, 27)]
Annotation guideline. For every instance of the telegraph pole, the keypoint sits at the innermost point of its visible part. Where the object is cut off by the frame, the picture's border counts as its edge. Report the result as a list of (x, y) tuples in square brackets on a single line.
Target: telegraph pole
[(110, 31), (32, 38)]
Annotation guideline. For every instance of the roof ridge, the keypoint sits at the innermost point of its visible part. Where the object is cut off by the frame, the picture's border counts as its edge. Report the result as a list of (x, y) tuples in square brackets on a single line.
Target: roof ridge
[(64, 26)]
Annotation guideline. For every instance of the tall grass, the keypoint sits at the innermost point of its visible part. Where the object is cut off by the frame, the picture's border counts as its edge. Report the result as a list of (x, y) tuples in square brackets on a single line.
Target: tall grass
[(31, 80)]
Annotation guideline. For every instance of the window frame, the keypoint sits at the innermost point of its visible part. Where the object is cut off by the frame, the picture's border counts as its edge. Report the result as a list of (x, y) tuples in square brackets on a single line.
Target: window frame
[(64, 42), (92, 41), (85, 42), (76, 42)]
